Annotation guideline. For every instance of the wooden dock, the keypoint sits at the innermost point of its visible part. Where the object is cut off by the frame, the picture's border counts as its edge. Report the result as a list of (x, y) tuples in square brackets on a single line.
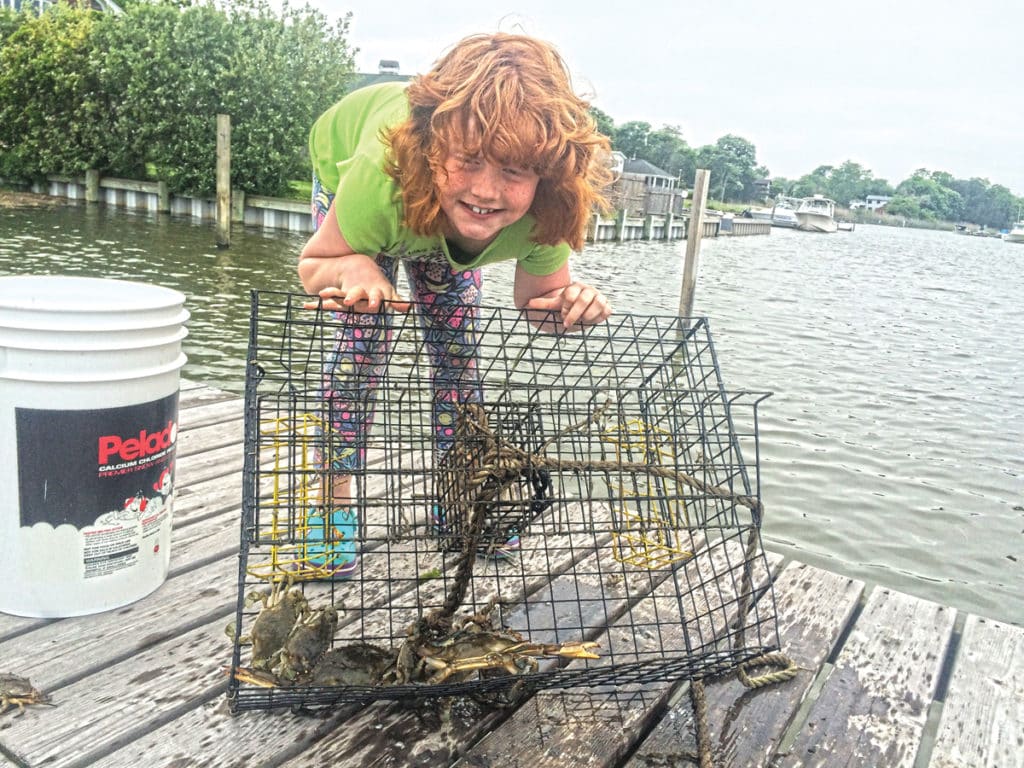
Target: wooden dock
[(885, 679)]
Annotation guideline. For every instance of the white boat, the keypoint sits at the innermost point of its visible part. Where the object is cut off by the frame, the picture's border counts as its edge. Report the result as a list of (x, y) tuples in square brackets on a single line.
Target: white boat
[(1016, 233), (846, 226), (758, 214), (782, 214), (816, 214)]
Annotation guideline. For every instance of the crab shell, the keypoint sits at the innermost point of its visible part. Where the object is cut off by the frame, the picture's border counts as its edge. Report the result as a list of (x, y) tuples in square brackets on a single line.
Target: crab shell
[(353, 664), (17, 691), (273, 625), (307, 642)]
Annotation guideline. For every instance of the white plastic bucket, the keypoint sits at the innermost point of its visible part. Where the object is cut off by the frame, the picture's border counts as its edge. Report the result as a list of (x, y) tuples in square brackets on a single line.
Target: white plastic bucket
[(89, 381)]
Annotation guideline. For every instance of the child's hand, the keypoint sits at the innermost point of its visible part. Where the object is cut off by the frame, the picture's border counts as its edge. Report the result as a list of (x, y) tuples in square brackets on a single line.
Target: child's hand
[(361, 287), (583, 305), (360, 300), (577, 303)]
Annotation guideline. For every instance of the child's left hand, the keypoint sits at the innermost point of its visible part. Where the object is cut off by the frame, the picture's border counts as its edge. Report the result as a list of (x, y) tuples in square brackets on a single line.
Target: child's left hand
[(577, 303)]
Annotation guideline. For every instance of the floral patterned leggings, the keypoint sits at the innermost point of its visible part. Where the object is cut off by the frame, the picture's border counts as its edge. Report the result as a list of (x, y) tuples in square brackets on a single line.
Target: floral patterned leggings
[(448, 305)]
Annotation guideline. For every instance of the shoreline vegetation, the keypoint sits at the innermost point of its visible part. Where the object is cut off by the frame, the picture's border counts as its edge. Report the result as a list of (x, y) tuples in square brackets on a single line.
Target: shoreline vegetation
[(136, 95), (13, 198)]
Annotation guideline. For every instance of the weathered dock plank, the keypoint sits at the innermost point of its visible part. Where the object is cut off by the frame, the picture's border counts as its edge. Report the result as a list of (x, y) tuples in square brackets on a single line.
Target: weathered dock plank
[(193, 393), (191, 546), (62, 651), (208, 464), (210, 426), (983, 715), (212, 736), (595, 726), (194, 501), (436, 735), (120, 703), (873, 707), (145, 684), (746, 726)]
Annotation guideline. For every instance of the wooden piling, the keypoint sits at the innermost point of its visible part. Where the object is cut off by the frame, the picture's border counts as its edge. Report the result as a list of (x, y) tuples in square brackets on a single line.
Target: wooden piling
[(223, 181), (92, 186), (163, 197), (694, 230)]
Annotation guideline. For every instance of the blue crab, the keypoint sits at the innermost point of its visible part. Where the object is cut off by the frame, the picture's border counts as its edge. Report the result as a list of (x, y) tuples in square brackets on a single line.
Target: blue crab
[(473, 647), (18, 692)]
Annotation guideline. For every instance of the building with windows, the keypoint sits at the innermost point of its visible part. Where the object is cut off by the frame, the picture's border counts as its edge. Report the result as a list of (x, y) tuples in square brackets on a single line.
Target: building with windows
[(644, 188), (871, 202)]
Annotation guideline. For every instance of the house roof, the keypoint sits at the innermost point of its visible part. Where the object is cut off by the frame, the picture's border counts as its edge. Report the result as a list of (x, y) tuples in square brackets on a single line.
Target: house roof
[(363, 79), (644, 168)]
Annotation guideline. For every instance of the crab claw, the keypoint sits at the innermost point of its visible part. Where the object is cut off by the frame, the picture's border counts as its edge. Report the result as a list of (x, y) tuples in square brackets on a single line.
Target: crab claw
[(253, 677), (575, 649)]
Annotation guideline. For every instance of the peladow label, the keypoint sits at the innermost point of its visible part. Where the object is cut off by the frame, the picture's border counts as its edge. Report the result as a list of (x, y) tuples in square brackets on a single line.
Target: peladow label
[(118, 452)]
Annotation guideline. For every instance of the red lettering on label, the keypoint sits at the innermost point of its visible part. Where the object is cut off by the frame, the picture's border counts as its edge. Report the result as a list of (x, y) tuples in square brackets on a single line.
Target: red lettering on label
[(146, 444)]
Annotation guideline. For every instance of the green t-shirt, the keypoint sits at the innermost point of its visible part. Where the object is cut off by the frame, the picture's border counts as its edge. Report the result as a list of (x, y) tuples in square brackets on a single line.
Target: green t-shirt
[(347, 150)]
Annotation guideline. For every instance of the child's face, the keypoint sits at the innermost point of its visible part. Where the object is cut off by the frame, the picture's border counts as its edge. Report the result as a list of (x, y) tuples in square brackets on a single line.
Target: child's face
[(480, 197)]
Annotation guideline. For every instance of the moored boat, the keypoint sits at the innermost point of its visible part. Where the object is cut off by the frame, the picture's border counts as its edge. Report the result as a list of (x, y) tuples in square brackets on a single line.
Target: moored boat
[(1016, 233), (816, 214), (784, 212), (781, 214)]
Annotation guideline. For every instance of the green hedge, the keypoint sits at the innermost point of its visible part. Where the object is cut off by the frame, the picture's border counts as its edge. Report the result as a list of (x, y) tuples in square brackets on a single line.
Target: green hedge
[(136, 95)]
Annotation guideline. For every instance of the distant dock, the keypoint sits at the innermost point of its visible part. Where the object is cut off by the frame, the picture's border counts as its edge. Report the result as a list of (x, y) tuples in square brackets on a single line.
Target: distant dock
[(669, 227)]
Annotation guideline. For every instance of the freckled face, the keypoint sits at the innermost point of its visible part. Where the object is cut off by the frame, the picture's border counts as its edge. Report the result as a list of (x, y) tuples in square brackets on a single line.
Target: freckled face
[(481, 197)]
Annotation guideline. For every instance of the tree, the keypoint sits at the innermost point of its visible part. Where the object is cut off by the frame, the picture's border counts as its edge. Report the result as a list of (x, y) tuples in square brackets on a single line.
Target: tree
[(631, 139), (137, 94), (933, 199), (667, 150), (605, 124), (50, 104), (902, 205), (732, 161), (844, 184)]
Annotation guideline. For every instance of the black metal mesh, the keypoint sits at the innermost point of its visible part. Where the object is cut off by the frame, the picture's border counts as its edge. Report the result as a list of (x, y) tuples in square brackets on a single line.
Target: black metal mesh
[(614, 458)]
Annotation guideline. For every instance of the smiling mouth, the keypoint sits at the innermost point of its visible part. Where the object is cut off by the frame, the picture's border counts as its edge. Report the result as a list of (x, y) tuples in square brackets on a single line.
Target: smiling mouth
[(480, 211)]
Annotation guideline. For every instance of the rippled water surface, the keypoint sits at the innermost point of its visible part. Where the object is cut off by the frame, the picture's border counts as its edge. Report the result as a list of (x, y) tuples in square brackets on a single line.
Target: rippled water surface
[(892, 449)]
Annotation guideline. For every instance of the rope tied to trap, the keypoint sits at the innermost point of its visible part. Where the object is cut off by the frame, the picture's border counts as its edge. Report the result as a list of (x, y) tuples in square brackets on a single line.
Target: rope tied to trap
[(493, 465), (482, 468)]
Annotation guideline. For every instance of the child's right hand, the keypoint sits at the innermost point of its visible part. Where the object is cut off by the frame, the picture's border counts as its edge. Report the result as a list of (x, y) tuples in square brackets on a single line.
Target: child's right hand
[(343, 279), (361, 287)]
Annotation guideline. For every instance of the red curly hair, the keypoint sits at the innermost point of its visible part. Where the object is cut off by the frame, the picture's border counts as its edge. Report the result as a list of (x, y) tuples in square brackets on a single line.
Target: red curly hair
[(510, 99)]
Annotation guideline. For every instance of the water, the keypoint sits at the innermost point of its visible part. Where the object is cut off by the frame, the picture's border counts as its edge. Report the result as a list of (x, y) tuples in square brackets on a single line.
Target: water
[(892, 449)]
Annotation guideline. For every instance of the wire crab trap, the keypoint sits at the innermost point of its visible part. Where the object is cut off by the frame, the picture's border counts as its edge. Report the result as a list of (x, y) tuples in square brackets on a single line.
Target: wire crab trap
[(538, 511)]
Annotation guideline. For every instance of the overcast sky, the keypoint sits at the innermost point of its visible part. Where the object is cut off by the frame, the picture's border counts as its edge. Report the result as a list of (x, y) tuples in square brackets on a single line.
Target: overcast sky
[(894, 86)]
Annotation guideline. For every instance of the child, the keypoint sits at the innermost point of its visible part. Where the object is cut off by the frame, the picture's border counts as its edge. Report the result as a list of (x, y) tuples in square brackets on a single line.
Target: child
[(489, 156)]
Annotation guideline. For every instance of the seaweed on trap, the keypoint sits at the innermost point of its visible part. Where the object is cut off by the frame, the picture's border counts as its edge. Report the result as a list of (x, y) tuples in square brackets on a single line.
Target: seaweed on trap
[(615, 459)]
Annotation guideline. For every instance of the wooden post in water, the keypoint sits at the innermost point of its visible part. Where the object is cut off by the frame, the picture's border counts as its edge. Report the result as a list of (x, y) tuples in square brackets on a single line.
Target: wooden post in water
[(92, 186), (694, 231), (223, 181)]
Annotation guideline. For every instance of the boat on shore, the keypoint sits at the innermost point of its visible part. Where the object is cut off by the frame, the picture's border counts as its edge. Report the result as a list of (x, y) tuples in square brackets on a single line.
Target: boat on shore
[(816, 214)]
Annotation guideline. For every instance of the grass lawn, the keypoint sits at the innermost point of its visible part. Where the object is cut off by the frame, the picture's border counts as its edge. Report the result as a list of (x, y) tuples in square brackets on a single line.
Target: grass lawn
[(300, 190)]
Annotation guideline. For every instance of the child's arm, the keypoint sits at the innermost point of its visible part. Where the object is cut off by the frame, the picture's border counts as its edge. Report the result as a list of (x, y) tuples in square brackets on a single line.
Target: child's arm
[(578, 304), (330, 268)]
